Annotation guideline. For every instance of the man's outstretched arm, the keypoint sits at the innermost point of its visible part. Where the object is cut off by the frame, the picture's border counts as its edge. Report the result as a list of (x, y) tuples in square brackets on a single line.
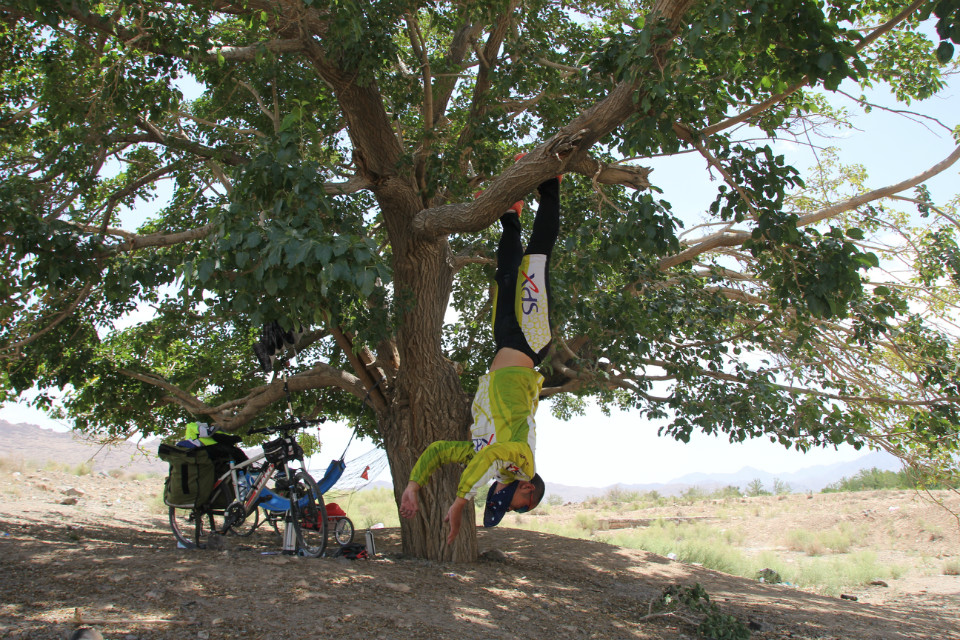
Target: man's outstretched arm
[(410, 500), (454, 516), (438, 453)]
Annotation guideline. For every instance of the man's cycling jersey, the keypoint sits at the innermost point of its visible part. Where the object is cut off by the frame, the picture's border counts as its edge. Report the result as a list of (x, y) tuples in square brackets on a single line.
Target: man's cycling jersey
[(503, 434)]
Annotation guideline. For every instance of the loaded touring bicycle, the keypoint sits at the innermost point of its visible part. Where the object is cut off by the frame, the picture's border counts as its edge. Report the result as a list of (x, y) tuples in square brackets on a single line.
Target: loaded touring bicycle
[(214, 491)]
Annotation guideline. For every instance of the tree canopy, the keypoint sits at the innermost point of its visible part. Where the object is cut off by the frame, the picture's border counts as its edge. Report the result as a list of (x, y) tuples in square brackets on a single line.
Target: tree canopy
[(316, 162)]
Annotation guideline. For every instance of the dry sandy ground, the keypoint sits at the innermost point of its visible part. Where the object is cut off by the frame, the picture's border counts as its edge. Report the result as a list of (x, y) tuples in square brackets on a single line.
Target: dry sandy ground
[(111, 558)]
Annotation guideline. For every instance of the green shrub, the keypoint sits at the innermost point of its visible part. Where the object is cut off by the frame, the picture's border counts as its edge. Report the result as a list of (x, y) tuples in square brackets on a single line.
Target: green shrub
[(693, 494), (713, 624), (616, 495), (586, 521), (831, 575), (729, 491), (877, 479), (839, 539), (689, 542)]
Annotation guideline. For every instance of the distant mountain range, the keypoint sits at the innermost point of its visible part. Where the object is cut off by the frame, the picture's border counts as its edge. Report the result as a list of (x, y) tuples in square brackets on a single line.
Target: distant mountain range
[(813, 478), (36, 445), (33, 445)]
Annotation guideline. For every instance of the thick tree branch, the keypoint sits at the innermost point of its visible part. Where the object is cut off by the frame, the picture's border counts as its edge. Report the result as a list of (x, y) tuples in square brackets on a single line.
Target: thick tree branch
[(233, 415), (376, 392), (376, 149), (459, 46), (493, 201), (353, 184), (318, 376), (162, 239), (620, 174), (566, 149), (186, 400), (249, 53)]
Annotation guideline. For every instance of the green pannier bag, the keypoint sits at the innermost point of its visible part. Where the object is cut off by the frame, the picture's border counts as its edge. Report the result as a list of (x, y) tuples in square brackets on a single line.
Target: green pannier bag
[(192, 476)]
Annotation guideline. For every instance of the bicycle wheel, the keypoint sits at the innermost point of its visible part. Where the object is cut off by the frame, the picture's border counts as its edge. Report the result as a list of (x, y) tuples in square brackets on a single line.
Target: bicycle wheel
[(343, 532), (308, 515), (188, 528)]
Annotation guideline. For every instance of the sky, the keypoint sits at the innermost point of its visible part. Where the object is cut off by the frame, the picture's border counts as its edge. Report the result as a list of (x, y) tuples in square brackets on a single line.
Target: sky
[(599, 451)]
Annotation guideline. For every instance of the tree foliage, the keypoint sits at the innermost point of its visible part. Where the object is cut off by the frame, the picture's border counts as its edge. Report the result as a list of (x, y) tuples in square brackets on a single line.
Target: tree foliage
[(223, 164)]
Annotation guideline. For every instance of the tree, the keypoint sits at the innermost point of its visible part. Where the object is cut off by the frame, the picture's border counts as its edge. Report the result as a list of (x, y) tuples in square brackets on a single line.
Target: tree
[(315, 162), (755, 488), (780, 487)]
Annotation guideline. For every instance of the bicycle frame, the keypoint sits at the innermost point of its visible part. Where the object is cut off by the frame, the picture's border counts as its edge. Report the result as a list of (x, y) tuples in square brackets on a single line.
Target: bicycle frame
[(252, 497), (248, 498)]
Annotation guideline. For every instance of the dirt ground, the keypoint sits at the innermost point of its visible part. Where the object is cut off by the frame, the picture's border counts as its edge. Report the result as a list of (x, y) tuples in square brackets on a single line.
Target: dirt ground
[(111, 560)]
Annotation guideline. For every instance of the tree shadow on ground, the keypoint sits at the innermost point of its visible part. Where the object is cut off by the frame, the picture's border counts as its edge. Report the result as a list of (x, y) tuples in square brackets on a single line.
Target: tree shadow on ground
[(129, 575)]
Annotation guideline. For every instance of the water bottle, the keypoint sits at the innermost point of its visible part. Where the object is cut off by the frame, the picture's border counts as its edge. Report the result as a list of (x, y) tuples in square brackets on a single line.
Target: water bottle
[(371, 545), (289, 538)]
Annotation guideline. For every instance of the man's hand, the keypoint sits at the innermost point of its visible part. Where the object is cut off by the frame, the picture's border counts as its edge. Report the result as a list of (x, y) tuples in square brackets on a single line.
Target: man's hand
[(410, 500), (454, 515)]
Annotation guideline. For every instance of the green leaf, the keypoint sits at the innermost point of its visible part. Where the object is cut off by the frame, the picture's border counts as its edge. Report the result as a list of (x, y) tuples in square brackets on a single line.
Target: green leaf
[(323, 253), (205, 270), (252, 239), (288, 121)]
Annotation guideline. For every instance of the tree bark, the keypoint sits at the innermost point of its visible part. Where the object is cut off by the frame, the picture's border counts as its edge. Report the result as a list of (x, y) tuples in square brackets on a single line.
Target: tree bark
[(427, 402)]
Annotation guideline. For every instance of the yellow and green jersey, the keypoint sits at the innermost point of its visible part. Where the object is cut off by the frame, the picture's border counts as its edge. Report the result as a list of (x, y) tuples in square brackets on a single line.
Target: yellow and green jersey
[(199, 433), (503, 434)]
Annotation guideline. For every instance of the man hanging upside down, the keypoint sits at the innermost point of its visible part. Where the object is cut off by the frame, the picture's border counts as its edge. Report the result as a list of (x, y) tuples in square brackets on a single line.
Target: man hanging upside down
[(503, 430)]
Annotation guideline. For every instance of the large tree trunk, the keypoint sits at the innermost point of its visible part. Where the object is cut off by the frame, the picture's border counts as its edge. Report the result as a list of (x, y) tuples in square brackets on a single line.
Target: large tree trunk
[(432, 407), (428, 402)]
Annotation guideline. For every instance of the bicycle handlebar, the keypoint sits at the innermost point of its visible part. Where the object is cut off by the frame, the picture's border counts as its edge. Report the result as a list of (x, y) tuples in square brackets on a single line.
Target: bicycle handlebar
[(290, 426)]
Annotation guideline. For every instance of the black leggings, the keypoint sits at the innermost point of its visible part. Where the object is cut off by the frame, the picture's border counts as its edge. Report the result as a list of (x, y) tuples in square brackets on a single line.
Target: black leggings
[(521, 312)]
